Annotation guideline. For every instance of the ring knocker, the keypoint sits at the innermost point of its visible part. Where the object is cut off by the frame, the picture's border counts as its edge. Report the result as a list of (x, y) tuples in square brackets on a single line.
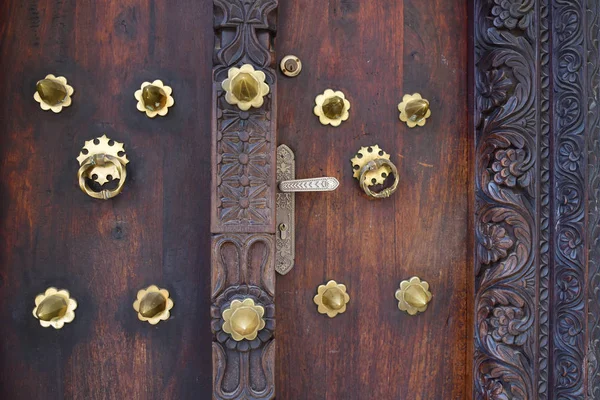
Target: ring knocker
[(102, 160), (371, 167)]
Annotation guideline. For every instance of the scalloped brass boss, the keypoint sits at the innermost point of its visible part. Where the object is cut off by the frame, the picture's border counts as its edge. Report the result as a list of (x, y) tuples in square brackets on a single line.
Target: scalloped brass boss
[(153, 305), (154, 98), (54, 308), (413, 295), (243, 319), (331, 299), (53, 93), (414, 110), (245, 87), (332, 107)]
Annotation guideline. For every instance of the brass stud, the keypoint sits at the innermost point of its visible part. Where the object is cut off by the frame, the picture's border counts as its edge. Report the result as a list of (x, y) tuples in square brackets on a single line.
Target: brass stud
[(154, 98), (153, 305), (414, 110), (291, 66), (331, 107), (331, 299), (54, 308), (243, 319), (245, 87), (413, 296), (102, 160), (53, 93)]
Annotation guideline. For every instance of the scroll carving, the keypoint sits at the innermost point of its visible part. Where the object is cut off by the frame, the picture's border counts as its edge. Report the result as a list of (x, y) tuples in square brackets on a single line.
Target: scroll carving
[(243, 201), (537, 223)]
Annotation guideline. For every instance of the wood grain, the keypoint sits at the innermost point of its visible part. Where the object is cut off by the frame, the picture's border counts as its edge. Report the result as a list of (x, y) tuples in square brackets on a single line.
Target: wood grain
[(375, 54), (156, 231)]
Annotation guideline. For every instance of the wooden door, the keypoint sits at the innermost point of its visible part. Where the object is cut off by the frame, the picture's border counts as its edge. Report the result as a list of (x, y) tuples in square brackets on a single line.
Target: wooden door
[(375, 55), (497, 206), (103, 252)]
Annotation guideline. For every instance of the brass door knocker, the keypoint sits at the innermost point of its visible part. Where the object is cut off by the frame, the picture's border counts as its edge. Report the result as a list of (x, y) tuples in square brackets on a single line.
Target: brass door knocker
[(102, 160), (371, 167)]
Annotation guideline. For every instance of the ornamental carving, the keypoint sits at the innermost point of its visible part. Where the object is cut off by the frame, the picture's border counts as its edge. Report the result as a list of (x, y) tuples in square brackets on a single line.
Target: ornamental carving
[(537, 182)]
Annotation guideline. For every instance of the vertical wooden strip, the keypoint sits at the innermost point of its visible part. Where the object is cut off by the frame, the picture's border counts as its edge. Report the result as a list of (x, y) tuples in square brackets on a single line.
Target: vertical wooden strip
[(243, 201)]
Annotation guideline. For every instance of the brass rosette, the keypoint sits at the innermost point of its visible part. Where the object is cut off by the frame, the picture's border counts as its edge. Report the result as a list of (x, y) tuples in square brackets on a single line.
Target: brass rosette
[(54, 308)]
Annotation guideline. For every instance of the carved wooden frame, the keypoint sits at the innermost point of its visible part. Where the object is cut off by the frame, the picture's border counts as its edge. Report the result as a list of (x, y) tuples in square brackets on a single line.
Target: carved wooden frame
[(243, 200), (537, 218)]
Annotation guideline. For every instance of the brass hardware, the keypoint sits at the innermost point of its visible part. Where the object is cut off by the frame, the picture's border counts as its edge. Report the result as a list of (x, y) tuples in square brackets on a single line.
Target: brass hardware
[(290, 66), (331, 107), (286, 204), (102, 160), (414, 110), (54, 308), (245, 87), (243, 319), (154, 98), (153, 305), (331, 299), (363, 156), (372, 166), (413, 296), (53, 93)]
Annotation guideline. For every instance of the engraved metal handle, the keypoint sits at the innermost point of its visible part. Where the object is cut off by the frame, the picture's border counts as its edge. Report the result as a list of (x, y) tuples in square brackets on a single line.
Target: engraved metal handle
[(324, 184), (286, 204)]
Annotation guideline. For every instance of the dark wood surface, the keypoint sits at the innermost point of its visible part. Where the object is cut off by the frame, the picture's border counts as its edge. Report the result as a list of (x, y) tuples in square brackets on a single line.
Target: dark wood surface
[(156, 231), (375, 54)]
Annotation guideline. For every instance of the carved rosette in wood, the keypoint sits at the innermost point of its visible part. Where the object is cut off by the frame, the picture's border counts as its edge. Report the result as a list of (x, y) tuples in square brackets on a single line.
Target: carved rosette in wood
[(537, 199), (243, 201)]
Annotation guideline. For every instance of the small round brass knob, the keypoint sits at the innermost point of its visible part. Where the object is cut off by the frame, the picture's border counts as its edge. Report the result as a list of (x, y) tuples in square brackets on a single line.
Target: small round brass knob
[(54, 308), (413, 295), (153, 305), (243, 319), (290, 65), (331, 107), (245, 87), (414, 110), (331, 299), (102, 160)]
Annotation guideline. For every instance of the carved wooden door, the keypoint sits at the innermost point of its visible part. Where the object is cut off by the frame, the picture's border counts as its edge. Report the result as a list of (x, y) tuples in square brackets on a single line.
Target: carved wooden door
[(496, 207)]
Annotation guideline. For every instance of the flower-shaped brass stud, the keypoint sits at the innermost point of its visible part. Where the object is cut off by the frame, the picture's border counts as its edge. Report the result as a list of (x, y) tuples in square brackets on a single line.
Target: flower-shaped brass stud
[(53, 93), (331, 299), (245, 87), (413, 296), (54, 308), (154, 98), (331, 107), (243, 319), (414, 110), (153, 305)]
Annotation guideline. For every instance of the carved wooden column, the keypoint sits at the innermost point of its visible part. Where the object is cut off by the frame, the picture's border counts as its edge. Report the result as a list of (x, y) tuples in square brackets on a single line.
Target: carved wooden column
[(243, 201), (537, 249)]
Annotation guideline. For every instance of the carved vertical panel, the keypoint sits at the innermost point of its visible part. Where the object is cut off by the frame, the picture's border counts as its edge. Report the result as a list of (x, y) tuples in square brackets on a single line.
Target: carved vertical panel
[(537, 224), (593, 224), (243, 201)]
